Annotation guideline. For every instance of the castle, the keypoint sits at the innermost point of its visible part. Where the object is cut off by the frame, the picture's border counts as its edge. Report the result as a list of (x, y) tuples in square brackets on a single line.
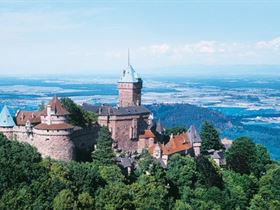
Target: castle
[(48, 130), (131, 124)]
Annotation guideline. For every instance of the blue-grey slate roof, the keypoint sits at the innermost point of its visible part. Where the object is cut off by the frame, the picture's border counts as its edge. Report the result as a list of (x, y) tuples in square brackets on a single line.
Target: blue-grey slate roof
[(116, 111), (6, 120)]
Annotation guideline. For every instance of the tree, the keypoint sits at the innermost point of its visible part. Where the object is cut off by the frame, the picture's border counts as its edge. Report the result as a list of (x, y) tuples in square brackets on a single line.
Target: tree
[(242, 156), (111, 174), (147, 193), (240, 189), (210, 138), (175, 130), (149, 165), (78, 116), (263, 159), (182, 171), (85, 201), (268, 196), (83, 177), (209, 172), (103, 154), (64, 200), (19, 163), (114, 196)]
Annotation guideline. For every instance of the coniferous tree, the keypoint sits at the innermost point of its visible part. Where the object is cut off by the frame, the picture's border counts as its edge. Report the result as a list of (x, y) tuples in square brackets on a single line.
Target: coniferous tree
[(242, 156), (103, 154), (210, 138)]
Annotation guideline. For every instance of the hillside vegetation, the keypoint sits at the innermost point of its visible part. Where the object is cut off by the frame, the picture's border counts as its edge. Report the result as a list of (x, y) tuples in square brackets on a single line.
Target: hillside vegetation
[(250, 180)]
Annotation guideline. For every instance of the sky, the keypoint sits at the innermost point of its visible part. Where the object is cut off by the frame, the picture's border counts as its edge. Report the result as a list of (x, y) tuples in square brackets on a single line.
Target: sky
[(164, 37)]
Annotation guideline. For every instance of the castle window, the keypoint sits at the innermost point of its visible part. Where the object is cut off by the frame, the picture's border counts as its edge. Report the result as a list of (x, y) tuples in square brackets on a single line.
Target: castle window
[(47, 130), (47, 139)]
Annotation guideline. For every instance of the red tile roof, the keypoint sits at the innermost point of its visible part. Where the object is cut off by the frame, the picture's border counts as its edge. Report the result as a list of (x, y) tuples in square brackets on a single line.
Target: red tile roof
[(22, 117), (61, 126), (147, 134), (57, 107), (178, 143)]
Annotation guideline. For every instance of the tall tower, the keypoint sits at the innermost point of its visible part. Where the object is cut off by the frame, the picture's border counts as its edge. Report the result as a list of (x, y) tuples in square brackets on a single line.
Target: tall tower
[(129, 87)]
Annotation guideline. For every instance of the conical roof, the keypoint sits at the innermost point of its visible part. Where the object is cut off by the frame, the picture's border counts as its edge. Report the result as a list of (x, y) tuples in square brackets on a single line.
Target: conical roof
[(194, 135), (159, 127), (6, 120)]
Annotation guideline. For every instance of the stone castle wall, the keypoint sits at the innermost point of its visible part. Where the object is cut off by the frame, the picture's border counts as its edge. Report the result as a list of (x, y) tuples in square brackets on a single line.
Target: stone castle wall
[(121, 129), (129, 94), (85, 139), (56, 144), (8, 132)]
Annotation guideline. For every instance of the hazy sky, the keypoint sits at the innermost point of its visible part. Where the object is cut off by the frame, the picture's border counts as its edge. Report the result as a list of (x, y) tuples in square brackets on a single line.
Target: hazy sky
[(90, 37)]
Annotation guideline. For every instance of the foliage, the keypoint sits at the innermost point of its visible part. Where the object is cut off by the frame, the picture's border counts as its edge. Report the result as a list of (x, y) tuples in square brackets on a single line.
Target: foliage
[(242, 156), (210, 138), (114, 196), (147, 193), (28, 182), (182, 171), (175, 130), (64, 200), (209, 171), (19, 163), (103, 154), (78, 116)]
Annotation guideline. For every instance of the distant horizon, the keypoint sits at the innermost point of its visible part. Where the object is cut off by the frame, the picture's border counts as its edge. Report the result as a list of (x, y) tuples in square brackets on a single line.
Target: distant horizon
[(175, 71)]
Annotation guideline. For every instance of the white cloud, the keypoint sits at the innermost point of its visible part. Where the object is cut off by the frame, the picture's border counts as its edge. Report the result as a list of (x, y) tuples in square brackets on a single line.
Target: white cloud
[(273, 44)]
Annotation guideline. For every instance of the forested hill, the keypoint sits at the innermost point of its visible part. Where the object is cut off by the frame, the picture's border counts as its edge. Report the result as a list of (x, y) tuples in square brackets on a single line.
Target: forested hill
[(172, 115)]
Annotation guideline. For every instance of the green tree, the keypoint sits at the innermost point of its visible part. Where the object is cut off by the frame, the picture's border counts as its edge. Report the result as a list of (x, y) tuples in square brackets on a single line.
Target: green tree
[(149, 165), (148, 193), (240, 189), (263, 159), (210, 172), (268, 196), (175, 130), (85, 201), (242, 156), (111, 173), (83, 177), (114, 196), (182, 171), (64, 200), (103, 154), (78, 116), (19, 163), (210, 138)]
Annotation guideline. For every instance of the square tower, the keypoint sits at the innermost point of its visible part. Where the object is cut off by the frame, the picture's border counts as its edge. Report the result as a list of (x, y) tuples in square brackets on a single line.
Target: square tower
[(129, 86)]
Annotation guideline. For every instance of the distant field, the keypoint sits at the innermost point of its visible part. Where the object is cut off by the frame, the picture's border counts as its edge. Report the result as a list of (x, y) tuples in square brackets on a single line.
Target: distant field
[(250, 105)]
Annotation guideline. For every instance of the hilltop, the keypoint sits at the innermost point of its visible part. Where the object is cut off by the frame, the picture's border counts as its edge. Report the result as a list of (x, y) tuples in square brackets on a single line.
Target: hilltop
[(172, 115)]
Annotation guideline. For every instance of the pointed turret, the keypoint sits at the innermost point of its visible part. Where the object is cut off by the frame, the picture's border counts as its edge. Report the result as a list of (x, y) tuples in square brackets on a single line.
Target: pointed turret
[(6, 120), (159, 127)]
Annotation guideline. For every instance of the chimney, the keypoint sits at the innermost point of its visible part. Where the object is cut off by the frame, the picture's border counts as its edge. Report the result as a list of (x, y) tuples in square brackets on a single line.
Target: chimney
[(49, 114)]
